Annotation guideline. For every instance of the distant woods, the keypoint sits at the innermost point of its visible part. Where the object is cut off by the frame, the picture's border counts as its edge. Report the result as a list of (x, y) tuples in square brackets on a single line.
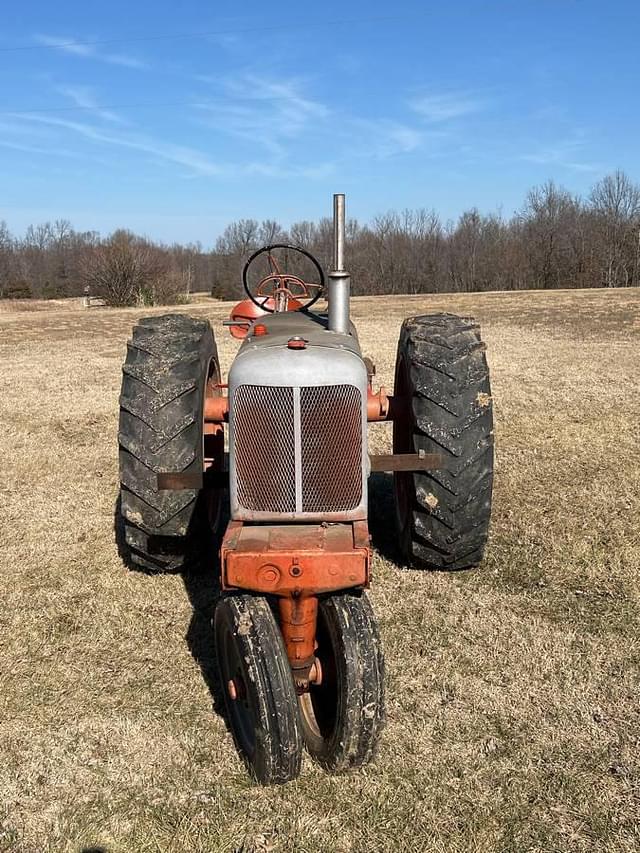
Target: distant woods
[(557, 240)]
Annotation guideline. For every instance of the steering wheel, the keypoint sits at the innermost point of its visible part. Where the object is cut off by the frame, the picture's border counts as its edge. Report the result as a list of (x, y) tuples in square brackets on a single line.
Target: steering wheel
[(282, 286)]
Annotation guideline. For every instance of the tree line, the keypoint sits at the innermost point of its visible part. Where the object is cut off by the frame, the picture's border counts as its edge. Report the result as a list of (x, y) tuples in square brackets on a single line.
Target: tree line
[(556, 240)]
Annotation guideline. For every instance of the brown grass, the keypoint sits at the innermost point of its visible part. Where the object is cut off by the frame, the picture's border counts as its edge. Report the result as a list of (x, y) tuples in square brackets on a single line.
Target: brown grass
[(513, 693)]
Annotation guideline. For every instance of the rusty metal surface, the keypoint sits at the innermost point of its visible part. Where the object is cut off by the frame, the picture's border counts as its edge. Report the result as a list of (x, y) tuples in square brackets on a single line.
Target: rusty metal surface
[(295, 559), (407, 462), (296, 562), (264, 448), (180, 481), (331, 448), (298, 620), (298, 452), (246, 312)]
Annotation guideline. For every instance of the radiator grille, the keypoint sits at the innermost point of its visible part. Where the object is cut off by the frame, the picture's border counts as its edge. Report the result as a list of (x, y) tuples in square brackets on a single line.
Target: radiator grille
[(331, 439), (320, 426), (265, 448)]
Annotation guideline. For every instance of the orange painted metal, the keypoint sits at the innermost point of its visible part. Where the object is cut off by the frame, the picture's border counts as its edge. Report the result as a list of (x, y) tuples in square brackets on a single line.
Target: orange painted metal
[(378, 404), (297, 343), (246, 312), (298, 621), (216, 409), (296, 563), (295, 559), (213, 428)]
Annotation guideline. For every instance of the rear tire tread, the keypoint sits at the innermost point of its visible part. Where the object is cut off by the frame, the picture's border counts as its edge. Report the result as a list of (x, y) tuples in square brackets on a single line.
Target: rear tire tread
[(161, 430), (450, 414)]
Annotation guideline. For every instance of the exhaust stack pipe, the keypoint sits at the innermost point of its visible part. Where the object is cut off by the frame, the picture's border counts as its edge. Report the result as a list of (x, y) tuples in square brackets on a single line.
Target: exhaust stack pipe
[(339, 278)]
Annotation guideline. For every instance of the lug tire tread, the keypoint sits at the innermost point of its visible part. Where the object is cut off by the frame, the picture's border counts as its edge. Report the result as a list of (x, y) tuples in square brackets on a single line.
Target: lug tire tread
[(451, 413), (161, 430)]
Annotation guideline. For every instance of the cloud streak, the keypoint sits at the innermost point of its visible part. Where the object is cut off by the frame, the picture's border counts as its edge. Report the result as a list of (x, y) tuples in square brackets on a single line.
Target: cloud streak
[(446, 106), (276, 115), (84, 98), (564, 154), (182, 155), (89, 51), (285, 132)]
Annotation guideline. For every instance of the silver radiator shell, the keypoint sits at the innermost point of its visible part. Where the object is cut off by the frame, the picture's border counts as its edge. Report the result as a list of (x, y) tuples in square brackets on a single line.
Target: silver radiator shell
[(292, 395)]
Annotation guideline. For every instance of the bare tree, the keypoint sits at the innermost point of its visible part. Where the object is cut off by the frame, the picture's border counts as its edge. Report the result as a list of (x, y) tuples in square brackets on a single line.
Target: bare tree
[(271, 232), (6, 259), (304, 233), (122, 270), (556, 240), (616, 202), (239, 238)]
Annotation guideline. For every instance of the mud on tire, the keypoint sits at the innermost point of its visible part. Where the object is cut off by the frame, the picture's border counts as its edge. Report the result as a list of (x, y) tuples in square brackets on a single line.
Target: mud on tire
[(262, 713), (343, 717), (169, 359), (443, 379)]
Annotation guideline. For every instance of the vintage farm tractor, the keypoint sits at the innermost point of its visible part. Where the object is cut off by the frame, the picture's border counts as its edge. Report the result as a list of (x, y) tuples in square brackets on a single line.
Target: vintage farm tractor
[(296, 642)]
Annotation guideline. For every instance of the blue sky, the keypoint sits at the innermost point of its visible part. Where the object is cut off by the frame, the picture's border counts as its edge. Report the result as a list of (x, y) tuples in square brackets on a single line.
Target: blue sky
[(173, 119)]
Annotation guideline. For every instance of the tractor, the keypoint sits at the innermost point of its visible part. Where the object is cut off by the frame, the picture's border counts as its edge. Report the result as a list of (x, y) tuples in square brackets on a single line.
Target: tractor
[(297, 646)]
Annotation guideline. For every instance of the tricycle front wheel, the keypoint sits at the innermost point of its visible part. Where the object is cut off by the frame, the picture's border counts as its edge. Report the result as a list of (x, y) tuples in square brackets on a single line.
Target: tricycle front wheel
[(343, 715), (259, 693)]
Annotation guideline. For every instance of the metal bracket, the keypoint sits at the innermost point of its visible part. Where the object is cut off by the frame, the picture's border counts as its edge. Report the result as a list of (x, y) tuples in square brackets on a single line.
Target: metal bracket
[(195, 480), (173, 481), (420, 461)]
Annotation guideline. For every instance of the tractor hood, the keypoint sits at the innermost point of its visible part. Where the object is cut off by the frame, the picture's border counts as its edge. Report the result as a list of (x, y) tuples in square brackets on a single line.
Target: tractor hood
[(297, 424), (281, 327)]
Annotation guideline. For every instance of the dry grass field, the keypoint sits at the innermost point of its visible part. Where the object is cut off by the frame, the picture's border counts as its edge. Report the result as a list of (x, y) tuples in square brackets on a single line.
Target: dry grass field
[(513, 690)]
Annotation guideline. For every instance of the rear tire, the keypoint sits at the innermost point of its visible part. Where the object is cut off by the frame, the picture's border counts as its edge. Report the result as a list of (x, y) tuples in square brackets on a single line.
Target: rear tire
[(343, 716), (263, 714), (442, 378), (169, 360)]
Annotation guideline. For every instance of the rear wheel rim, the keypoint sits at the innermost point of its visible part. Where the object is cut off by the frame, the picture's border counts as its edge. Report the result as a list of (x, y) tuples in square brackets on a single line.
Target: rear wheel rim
[(319, 706)]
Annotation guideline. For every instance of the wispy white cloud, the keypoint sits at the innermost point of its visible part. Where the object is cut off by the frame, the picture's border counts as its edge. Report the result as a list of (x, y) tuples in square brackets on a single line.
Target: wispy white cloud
[(379, 138), (286, 133), (182, 155), (261, 109), (195, 161), (565, 154), (84, 97), (35, 149), (279, 116), (446, 106), (284, 92), (89, 51)]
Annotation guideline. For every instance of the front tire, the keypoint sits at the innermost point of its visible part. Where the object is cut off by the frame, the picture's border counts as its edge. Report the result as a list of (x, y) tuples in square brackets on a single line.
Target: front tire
[(343, 716), (260, 696), (445, 407)]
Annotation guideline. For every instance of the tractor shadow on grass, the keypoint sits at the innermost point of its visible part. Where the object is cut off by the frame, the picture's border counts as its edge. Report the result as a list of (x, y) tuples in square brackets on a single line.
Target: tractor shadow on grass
[(202, 583), (202, 586), (203, 591), (382, 518)]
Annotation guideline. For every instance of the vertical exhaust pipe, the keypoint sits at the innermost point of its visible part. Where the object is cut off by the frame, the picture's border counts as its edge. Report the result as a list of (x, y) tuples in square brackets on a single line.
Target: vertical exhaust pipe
[(339, 278)]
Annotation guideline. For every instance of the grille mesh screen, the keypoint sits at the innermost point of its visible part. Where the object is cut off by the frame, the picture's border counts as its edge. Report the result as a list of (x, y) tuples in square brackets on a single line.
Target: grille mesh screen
[(331, 437), (329, 434), (265, 448)]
